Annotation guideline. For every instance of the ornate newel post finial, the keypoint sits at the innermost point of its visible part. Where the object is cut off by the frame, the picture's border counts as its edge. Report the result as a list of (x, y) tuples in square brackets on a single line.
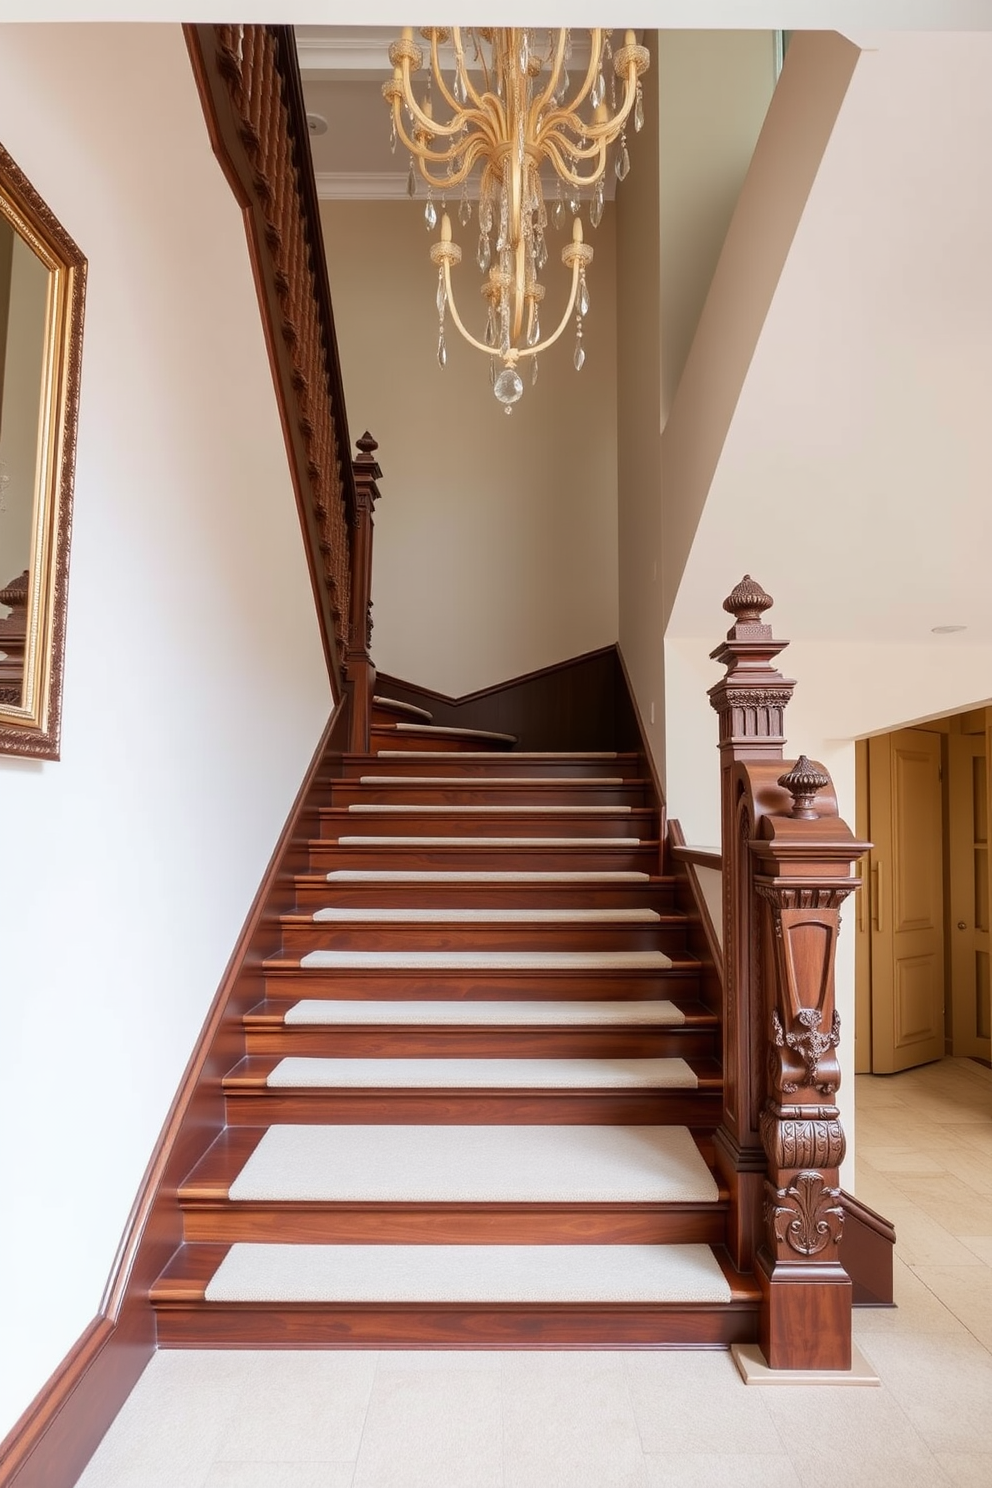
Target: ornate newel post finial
[(747, 603), (803, 782), (360, 672)]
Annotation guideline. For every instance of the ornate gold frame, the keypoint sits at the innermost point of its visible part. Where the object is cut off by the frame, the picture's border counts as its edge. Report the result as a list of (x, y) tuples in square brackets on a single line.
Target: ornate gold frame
[(33, 728)]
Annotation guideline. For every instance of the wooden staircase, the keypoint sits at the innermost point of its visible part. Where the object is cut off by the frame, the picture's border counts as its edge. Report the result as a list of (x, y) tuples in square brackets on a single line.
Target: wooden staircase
[(484, 954)]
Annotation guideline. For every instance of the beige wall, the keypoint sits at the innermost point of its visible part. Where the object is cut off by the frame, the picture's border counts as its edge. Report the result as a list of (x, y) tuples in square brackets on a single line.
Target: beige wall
[(496, 536), (195, 689), (706, 95)]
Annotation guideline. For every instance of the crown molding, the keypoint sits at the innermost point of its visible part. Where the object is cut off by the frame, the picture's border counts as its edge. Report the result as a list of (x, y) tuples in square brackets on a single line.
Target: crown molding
[(392, 186)]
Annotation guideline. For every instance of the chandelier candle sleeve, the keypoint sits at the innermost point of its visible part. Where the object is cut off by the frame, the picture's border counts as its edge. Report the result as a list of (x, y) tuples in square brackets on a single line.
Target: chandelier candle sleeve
[(512, 111)]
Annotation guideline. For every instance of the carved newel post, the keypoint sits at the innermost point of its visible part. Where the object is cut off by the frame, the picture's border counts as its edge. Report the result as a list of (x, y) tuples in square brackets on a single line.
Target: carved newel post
[(788, 861), (359, 671)]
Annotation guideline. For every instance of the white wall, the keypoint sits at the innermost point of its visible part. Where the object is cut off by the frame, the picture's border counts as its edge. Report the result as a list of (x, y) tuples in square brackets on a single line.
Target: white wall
[(195, 689), (496, 536)]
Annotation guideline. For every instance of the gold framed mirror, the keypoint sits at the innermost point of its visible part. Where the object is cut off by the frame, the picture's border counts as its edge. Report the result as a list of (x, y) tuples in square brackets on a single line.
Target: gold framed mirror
[(42, 289)]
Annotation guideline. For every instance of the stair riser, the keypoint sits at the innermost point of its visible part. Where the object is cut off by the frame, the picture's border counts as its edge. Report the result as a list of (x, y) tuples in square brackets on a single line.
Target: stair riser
[(510, 764), (487, 795), (388, 737), (317, 893), (334, 824), (409, 1224), (484, 986), (325, 855), (312, 935), (247, 1325), (489, 1043), (268, 1106)]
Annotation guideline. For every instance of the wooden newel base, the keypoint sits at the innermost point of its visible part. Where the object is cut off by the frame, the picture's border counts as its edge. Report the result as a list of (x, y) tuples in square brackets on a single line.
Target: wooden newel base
[(805, 1315)]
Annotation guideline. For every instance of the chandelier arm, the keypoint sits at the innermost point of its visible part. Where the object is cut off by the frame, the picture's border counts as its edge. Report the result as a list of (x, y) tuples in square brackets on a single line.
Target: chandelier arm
[(426, 121), (533, 351), (595, 57), (545, 97), (453, 178), (442, 86), (438, 157), (456, 36), (566, 150), (479, 345), (565, 171)]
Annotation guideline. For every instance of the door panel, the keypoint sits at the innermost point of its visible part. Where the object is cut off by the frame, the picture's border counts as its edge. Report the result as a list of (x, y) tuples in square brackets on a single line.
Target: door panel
[(969, 895), (907, 930)]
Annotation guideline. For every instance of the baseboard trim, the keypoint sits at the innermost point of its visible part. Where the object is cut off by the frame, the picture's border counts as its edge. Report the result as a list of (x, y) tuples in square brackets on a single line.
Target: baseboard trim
[(62, 1427)]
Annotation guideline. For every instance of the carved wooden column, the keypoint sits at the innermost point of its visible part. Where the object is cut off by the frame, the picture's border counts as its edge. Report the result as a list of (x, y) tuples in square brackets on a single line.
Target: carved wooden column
[(359, 671), (750, 700), (803, 860)]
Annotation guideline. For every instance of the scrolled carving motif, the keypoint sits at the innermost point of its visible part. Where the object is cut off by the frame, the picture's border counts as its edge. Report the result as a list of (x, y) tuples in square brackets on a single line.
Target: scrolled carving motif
[(807, 1216), (810, 1044)]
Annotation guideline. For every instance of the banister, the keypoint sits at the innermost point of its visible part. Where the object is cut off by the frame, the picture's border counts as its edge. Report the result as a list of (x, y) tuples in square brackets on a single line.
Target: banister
[(250, 89), (788, 865)]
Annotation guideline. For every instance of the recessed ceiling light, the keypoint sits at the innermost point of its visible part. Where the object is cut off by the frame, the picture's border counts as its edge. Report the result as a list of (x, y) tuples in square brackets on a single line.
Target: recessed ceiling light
[(316, 123), (946, 629)]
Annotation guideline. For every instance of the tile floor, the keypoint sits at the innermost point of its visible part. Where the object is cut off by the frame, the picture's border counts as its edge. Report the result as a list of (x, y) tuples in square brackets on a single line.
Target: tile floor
[(625, 1419)]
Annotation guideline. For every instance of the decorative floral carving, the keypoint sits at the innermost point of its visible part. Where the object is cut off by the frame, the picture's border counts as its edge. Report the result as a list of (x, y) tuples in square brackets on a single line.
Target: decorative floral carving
[(807, 1216), (802, 1143), (809, 1043)]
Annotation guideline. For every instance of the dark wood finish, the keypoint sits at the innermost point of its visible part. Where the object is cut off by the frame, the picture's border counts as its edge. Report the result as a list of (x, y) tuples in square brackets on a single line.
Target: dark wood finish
[(281, 976), (315, 891), (360, 671), (301, 934), (867, 1247), (546, 858), (426, 737), (249, 83), (475, 792), (552, 767), (788, 862), (335, 823), (40, 737), (62, 1427), (571, 705), (701, 936), (696, 857)]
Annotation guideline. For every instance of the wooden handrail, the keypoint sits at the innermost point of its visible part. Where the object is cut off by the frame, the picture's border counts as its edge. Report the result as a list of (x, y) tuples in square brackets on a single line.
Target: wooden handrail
[(249, 83), (788, 861)]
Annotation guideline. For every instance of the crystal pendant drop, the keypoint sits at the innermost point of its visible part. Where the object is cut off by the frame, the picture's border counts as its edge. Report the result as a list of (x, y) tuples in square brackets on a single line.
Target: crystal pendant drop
[(639, 109), (465, 211), (524, 53), (534, 332), (492, 371), (508, 386), (558, 215), (596, 205), (392, 136), (430, 215), (533, 372), (573, 202), (579, 359), (484, 255), (491, 328), (442, 351), (623, 164), (598, 91), (583, 297), (411, 182), (542, 252), (442, 298)]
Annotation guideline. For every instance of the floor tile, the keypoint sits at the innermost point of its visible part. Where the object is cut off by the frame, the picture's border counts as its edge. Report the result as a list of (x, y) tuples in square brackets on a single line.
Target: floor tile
[(696, 1402), (432, 1429), (253, 1474), (944, 1385), (301, 1406), (967, 1469), (716, 1470), (569, 1423)]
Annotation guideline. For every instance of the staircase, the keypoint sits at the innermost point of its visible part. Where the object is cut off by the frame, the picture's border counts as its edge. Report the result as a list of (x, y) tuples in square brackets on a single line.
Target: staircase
[(476, 1104)]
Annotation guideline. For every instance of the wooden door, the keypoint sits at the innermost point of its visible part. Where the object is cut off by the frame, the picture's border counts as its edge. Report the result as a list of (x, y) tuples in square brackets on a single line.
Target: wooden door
[(907, 919), (968, 838)]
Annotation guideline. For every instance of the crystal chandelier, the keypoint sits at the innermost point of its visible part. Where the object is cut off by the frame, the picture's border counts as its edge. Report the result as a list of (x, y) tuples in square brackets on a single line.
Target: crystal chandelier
[(509, 107)]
